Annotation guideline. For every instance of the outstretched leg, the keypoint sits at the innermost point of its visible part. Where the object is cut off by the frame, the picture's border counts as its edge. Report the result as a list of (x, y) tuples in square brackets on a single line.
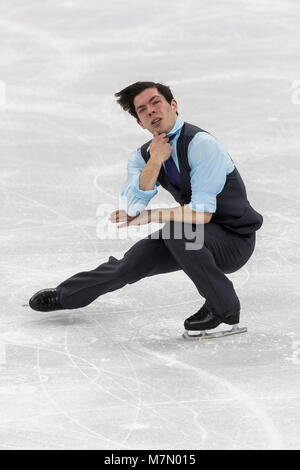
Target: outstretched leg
[(147, 257)]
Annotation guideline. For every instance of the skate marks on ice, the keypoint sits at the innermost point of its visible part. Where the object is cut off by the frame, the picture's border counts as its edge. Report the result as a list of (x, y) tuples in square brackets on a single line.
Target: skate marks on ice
[(58, 406), (143, 401), (248, 365), (111, 383), (223, 393), (126, 379), (112, 408)]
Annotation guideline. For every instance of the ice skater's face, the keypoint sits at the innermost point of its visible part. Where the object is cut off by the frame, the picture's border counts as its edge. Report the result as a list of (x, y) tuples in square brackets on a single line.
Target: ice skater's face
[(154, 112)]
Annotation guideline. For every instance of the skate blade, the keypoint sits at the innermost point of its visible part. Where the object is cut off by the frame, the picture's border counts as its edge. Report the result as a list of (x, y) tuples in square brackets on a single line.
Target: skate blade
[(235, 330)]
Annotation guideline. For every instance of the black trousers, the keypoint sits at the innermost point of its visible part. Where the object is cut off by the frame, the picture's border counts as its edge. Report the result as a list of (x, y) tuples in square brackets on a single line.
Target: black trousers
[(222, 252)]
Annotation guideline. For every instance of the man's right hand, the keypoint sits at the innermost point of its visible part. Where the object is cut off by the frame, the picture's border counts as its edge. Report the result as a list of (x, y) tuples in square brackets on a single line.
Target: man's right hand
[(160, 149)]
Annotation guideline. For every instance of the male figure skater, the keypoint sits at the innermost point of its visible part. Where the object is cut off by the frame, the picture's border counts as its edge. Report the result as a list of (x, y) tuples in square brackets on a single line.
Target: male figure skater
[(201, 176)]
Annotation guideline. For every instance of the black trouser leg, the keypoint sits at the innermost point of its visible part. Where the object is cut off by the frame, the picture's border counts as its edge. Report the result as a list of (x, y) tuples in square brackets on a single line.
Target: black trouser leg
[(222, 252), (147, 257)]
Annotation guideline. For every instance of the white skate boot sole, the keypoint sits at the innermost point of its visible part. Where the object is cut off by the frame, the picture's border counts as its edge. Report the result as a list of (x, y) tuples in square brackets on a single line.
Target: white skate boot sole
[(235, 330)]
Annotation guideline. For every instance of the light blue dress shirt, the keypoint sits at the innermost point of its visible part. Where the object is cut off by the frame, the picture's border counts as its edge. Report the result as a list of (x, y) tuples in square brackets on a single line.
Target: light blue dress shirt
[(209, 163)]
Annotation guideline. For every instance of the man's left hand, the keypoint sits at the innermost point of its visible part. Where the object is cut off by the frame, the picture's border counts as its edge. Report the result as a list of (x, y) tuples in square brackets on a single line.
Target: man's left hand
[(122, 216)]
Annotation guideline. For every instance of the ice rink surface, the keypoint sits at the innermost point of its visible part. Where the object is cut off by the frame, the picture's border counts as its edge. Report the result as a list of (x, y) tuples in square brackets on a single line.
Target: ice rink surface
[(117, 374)]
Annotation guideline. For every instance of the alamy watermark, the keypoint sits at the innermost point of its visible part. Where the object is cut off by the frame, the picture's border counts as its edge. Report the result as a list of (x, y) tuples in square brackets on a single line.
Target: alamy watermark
[(192, 233)]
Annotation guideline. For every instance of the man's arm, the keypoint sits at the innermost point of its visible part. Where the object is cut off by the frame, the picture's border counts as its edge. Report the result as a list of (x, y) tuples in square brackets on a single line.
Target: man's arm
[(141, 184), (179, 214), (182, 214), (134, 198), (209, 164), (160, 151), (149, 175)]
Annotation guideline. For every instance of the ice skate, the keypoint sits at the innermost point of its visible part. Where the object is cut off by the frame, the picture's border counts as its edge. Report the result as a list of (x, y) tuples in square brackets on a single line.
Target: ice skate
[(45, 300), (204, 319)]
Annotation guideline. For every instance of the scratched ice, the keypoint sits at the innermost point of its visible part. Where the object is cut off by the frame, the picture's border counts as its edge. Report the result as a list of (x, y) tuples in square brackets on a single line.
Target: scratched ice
[(117, 374)]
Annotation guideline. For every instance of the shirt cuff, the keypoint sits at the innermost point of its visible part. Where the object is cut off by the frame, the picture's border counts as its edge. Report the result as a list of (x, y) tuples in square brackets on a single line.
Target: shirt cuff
[(135, 199), (135, 209)]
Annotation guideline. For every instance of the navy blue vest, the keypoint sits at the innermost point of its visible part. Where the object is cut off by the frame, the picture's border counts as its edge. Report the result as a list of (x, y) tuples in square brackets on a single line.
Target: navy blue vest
[(233, 210)]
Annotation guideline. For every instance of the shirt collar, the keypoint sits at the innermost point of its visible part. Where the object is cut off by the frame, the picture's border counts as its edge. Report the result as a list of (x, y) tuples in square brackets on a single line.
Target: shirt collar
[(177, 126), (176, 129)]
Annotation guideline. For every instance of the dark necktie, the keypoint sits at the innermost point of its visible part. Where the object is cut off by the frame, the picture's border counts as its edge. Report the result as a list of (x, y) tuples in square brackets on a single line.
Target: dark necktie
[(171, 169)]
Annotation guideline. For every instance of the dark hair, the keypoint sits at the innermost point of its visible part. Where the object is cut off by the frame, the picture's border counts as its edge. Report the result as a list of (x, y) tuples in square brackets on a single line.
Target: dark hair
[(127, 95)]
